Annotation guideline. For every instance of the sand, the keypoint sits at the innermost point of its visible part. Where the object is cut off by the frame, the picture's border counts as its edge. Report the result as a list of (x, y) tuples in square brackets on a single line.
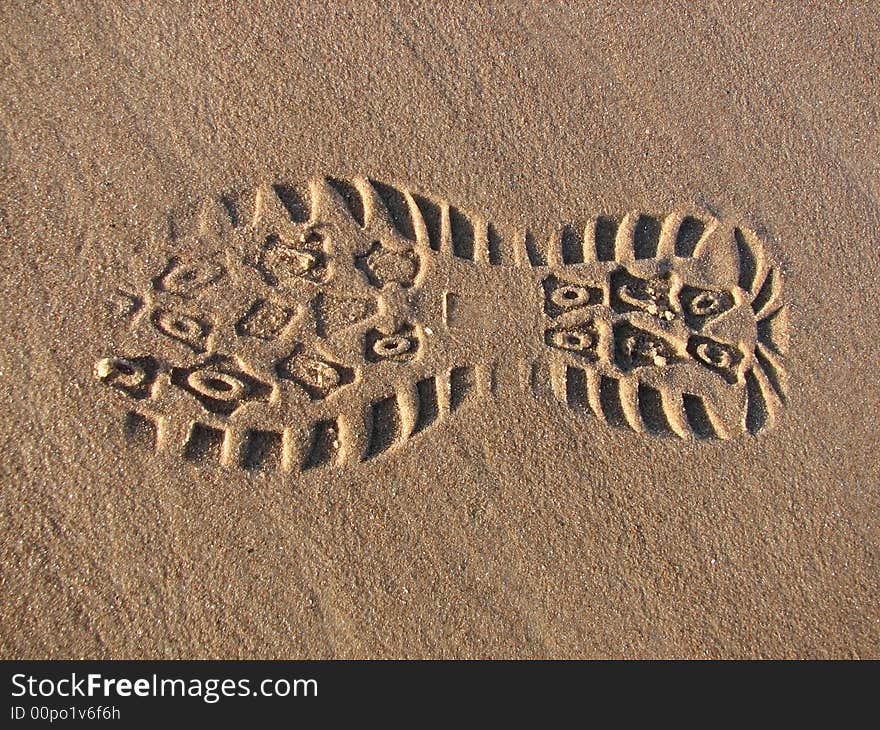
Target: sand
[(367, 331)]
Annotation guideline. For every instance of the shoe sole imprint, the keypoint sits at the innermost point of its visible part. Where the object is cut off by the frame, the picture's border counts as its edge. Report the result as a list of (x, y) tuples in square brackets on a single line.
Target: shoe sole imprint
[(331, 331)]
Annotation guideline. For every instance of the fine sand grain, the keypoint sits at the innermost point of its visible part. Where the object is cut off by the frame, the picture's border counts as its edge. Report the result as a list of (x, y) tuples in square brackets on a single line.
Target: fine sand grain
[(358, 330)]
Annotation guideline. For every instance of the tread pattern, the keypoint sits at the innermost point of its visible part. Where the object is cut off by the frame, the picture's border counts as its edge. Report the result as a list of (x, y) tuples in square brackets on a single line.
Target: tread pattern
[(302, 327)]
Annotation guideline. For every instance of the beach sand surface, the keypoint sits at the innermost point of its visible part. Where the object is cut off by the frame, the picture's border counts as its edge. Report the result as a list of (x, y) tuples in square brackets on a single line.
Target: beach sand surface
[(460, 401)]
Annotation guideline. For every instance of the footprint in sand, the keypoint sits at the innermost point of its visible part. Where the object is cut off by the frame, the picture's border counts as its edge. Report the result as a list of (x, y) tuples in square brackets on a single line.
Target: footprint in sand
[(331, 331)]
